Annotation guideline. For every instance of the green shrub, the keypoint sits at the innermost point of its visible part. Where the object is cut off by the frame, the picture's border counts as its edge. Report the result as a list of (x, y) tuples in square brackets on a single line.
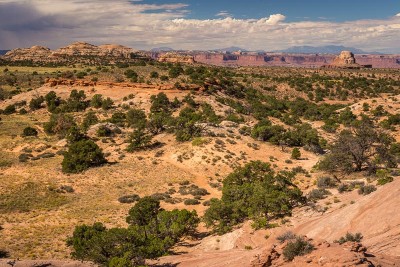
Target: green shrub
[(138, 140), (326, 182), (296, 153), (297, 247), (104, 131), (36, 103), (198, 141), (81, 156), (151, 233), (191, 202), (107, 103), (97, 101), (383, 177), (136, 118), (29, 131), (59, 124), (89, 120), (316, 194), (10, 109), (129, 198), (253, 191), (357, 237), (366, 189)]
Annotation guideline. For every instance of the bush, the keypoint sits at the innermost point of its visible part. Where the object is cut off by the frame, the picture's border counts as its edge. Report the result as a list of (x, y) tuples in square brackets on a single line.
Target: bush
[(357, 237), (4, 254), (89, 120), (343, 188), (81, 156), (52, 101), (138, 140), (253, 191), (366, 189), (286, 237), (151, 233), (316, 194), (29, 131), (191, 202), (10, 109), (36, 103), (107, 103), (198, 141), (129, 198), (296, 153), (104, 131), (326, 182), (97, 101), (24, 157), (136, 118), (383, 177), (59, 124), (298, 247)]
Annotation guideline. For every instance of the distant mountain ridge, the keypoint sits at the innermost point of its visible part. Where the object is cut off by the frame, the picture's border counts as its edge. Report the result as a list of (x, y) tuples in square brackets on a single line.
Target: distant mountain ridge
[(328, 49), (162, 49), (3, 52), (230, 49)]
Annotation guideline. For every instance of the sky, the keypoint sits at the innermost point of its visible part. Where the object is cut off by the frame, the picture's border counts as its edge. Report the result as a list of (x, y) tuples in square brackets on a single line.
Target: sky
[(371, 25)]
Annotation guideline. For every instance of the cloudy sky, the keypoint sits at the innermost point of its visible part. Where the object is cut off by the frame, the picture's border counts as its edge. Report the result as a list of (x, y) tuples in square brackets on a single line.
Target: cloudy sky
[(269, 25)]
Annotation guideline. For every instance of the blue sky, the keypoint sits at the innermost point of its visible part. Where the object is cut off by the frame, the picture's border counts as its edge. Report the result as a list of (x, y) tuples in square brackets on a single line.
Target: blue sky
[(294, 10), (371, 25)]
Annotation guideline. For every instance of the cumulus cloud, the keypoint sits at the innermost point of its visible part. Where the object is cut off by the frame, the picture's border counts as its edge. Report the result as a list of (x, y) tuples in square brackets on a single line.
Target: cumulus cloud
[(55, 23)]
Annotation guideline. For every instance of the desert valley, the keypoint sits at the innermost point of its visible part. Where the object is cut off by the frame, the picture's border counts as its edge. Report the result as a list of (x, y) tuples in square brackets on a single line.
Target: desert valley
[(122, 157)]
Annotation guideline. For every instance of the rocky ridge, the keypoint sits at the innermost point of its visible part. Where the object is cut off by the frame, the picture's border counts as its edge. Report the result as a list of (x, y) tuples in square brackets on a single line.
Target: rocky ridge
[(75, 51)]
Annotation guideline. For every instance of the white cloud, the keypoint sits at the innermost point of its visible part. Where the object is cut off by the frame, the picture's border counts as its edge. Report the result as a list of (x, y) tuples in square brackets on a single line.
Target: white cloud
[(275, 19), (56, 23), (223, 13), (398, 15)]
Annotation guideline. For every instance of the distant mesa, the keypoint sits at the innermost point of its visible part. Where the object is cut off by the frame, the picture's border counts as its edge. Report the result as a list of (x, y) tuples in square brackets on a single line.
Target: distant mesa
[(327, 49), (176, 58), (162, 49), (82, 52), (231, 49), (78, 51)]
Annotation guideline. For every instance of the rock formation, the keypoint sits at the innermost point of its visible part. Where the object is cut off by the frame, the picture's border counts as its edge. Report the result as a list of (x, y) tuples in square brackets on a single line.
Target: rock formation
[(292, 60), (175, 58), (35, 53), (76, 52), (346, 60), (348, 254)]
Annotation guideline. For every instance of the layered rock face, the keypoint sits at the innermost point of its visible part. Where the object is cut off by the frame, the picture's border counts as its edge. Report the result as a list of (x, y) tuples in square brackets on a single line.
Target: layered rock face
[(175, 58), (35, 53), (296, 60), (76, 50)]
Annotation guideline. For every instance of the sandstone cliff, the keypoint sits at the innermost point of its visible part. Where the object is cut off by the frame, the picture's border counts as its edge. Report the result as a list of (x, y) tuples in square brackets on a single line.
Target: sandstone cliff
[(78, 51)]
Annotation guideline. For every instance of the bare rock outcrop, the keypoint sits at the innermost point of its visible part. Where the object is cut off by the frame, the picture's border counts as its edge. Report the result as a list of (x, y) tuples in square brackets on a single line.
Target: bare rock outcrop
[(346, 60), (176, 58), (75, 52), (324, 254), (34, 53), (86, 49)]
